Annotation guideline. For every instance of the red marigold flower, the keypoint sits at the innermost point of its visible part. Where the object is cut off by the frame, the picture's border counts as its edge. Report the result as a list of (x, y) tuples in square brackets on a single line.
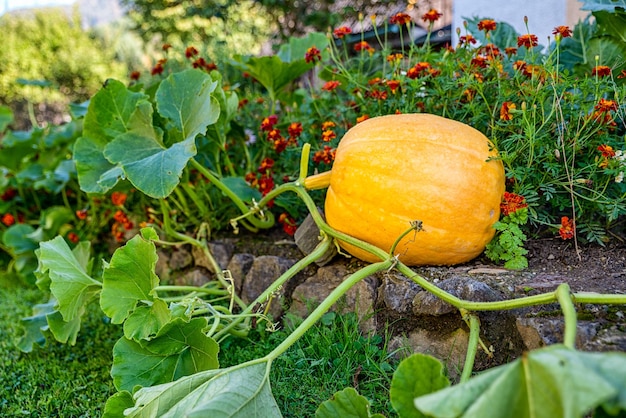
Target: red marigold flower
[(512, 202), (73, 237), (331, 85), (8, 194), (601, 71), (267, 124), (622, 74), (505, 110), (120, 217), (8, 219), (467, 40), (158, 68), (377, 94), (266, 184), (294, 129), (419, 69), (118, 198), (431, 16), (280, 145), (266, 165), (342, 31), (288, 223), (326, 155), (134, 75), (510, 51), (312, 54), (490, 50), (166, 46), (562, 31), (393, 85), (242, 103), (487, 25), (400, 19), (363, 46), (568, 229), (479, 61), (362, 118), (607, 151), (328, 135), (274, 135), (81, 214), (527, 40), (191, 51)]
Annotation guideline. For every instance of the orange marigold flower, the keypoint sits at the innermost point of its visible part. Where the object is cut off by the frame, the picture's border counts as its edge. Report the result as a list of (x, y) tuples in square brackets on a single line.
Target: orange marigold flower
[(607, 151), (510, 51), (394, 58), (622, 74), (479, 61), (329, 124), (400, 19), (377, 94), (505, 110), (312, 54), (431, 16), (419, 69), (512, 202), (393, 85), (601, 71), (604, 105), (73, 237), (118, 198), (363, 46), (331, 85), (568, 229), (267, 124), (120, 216), (81, 214), (527, 40), (362, 118), (562, 31), (487, 25), (191, 51), (328, 135), (8, 219), (294, 129), (342, 31), (467, 40)]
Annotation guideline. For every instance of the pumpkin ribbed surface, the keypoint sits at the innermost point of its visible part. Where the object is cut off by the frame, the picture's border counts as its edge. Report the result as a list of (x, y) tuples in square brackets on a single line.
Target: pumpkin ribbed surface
[(392, 170)]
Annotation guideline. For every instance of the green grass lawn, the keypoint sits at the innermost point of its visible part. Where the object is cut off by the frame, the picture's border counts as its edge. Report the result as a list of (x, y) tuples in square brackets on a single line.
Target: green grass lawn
[(73, 381)]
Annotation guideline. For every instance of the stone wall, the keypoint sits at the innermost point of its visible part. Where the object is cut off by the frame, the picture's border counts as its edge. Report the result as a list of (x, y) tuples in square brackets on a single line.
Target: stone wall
[(417, 320)]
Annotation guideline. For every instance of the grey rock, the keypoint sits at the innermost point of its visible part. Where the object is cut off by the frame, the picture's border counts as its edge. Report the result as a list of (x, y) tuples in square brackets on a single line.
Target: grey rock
[(222, 252), (463, 287), (397, 292), (360, 298), (263, 272), (180, 259), (307, 237), (239, 266)]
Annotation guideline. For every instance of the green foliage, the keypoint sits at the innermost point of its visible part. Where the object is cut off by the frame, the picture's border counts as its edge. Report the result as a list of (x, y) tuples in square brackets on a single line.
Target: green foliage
[(346, 403), (508, 245), (52, 47)]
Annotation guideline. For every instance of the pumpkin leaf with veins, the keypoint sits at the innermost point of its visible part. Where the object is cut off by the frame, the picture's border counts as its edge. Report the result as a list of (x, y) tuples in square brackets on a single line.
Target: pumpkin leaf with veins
[(180, 349), (551, 382)]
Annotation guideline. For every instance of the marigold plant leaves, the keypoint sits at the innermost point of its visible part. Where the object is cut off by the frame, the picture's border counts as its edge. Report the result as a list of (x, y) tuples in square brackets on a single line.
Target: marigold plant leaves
[(180, 349), (552, 382), (238, 392)]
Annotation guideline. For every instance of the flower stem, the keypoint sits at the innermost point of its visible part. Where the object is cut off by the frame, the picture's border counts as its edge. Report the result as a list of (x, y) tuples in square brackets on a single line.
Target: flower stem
[(564, 297), (472, 346)]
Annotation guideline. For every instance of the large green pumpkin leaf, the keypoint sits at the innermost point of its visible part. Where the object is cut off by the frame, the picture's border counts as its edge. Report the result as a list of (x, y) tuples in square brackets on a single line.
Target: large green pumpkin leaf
[(185, 98), (109, 114), (237, 392), (551, 382), (145, 321), (417, 375), (129, 278), (70, 283), (346, 404), (180, 349)]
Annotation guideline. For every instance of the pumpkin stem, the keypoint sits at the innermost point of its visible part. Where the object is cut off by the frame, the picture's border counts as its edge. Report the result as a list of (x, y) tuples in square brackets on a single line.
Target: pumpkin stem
[(317, 181)]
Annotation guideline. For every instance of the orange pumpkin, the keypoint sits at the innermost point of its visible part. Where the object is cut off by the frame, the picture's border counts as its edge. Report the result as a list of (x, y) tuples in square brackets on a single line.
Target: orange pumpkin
[(392, 170)]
